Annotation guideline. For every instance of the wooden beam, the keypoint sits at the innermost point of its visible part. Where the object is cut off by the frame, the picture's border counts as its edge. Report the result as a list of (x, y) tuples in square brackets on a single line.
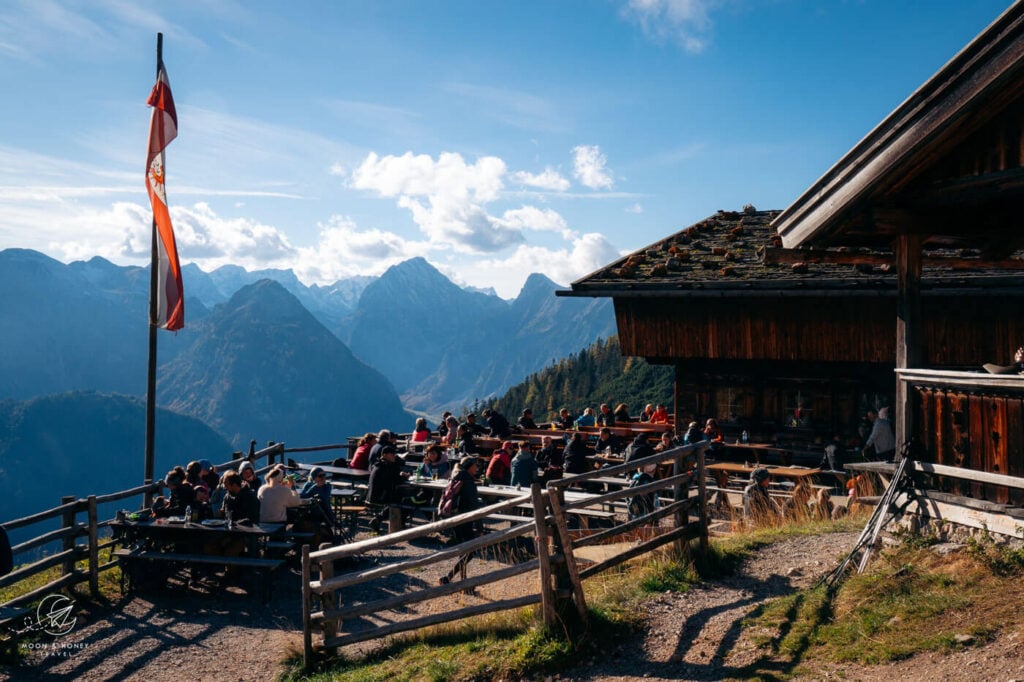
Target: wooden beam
[(909, 330), (779, 256)]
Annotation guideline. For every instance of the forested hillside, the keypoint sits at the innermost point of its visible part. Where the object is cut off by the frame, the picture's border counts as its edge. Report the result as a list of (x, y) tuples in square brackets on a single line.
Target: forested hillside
[(598, 374)]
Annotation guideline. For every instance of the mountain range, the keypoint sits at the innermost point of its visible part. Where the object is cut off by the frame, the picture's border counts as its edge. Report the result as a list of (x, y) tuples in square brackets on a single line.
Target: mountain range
[(264, 356)]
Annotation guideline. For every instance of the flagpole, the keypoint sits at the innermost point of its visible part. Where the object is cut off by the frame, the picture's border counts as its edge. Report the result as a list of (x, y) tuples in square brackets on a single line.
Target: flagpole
[(153, 312)]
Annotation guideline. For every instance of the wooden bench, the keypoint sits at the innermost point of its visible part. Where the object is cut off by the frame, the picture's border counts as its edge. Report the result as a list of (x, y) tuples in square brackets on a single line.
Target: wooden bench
[(126, 557), (11, 618)]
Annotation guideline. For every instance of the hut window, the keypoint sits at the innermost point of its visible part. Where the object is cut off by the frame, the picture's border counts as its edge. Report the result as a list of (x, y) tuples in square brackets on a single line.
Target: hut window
[(798, 408)]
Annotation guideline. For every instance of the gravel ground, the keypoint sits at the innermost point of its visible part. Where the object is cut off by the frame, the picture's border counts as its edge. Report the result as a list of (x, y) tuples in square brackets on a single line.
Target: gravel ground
[(212, 633)]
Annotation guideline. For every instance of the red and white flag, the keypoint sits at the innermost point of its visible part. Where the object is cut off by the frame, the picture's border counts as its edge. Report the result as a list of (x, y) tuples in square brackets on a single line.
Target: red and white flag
[(163, 127)]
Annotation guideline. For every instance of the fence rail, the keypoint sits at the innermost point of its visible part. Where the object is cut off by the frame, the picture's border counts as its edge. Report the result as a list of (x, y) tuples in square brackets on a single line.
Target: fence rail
[(73, 529), (554, 565)]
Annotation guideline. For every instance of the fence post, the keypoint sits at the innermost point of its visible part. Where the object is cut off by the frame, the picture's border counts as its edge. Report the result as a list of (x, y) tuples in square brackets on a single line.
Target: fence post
[(555, 497), (327, 601), (547, 596), (68, 521), (272, 453), (702, 491), (682, 517), (94, 550), (307, 626)]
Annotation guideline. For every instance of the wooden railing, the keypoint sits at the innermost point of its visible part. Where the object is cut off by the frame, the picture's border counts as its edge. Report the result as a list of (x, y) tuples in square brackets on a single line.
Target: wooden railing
[(555, 563), (72, 530)]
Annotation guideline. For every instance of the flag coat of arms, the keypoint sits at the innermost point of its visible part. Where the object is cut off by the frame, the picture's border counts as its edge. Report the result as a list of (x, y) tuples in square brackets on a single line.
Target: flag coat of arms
[(163, 127)]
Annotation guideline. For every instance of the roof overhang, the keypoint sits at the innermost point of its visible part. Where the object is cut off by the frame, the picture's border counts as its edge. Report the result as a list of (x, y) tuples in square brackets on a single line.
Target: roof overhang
[(865, 185)]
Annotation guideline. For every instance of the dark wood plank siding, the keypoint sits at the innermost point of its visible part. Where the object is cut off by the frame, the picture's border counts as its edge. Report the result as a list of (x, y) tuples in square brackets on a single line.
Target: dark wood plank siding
[(958, 332)]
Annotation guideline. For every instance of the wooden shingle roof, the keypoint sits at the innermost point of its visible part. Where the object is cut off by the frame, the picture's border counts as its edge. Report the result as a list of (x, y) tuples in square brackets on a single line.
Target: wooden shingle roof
[(722, 255)]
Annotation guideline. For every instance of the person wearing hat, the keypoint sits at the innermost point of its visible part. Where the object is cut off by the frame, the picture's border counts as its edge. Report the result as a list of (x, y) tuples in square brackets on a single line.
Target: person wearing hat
[(208, 474), (474, 428), (318, 488), (758, 506), (180, 494), (249, 478), (463, 493), (382, 487), (526, 419)]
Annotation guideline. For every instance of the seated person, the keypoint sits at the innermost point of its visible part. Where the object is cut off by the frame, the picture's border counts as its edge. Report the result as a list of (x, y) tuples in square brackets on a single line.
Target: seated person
[(499, 470), (361, 456), (208, 474), (497, 425), (622, 413), (575, 455), (249, 477), (607, 442), (318, 488), (666, 442), (758, 507), (435, 464), (180, 495), (451, 431), (711, 430), (648, 412), (587, 418), (549, 455), (467, 444), (605, 417), (524, 467), (276, 496), (693, 434), (192, 472), (660, 415), (639, 449), (201, 509), (474, 428), (240, 502), (421, 433), (442, 426), (382, 488), (565, 420), (526, 419)]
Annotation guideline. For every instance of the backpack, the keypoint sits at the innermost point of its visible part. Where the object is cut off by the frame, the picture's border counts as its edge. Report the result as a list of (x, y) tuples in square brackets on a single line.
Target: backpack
[(638, 505), (446, 506)]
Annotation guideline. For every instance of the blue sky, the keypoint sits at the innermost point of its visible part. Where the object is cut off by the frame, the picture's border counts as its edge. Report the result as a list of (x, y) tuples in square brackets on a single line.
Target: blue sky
[(493, 138)]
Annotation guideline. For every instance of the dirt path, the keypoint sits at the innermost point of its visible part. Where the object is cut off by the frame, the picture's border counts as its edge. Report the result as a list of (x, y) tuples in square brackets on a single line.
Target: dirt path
[(225, 634)]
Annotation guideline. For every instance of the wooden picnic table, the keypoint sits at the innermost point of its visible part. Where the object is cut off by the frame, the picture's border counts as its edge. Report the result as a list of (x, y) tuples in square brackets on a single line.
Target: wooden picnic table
[(342, 472), (721, 471)]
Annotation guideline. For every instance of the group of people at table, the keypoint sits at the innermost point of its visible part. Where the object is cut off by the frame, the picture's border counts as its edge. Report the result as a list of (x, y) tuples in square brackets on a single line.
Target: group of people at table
[(200, 492)]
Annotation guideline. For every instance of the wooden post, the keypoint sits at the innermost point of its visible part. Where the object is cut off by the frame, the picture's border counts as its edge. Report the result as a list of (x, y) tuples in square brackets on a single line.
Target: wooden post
[(68, 521), (307, 625), (394, 518), (908, 331), (94, 550), (555, 497), (547, 594), (702, 504), (327, 601), (678, 493)]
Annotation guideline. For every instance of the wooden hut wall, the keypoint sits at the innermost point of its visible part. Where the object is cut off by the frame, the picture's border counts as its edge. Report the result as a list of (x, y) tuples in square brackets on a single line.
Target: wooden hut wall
[(980, 431), (960, 331)]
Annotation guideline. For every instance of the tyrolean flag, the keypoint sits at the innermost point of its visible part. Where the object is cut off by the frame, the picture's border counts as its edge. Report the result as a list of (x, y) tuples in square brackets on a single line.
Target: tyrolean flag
[(163, 127)]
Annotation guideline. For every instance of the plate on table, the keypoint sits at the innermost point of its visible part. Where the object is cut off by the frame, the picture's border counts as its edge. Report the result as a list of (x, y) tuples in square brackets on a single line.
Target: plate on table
[(214, 523), (175, 519)]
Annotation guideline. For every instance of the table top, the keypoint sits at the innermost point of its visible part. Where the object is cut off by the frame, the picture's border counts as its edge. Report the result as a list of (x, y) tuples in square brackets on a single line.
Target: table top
[(504, 491), (337, 471), (785, 472), (164, 526)]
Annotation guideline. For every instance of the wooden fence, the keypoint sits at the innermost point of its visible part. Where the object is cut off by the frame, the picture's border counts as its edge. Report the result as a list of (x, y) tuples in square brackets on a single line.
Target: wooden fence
[(559, 580), (73, 529)]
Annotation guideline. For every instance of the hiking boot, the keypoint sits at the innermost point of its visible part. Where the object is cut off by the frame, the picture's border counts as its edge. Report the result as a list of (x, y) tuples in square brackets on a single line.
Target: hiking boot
[(443, 580), (375, 525)]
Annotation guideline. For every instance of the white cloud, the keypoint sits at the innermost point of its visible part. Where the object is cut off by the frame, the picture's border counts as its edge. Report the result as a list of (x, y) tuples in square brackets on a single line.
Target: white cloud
[(635, 208), (586, 254), (549, 179), (685, 22), (539, 220), (447, 197), (590, 167)]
